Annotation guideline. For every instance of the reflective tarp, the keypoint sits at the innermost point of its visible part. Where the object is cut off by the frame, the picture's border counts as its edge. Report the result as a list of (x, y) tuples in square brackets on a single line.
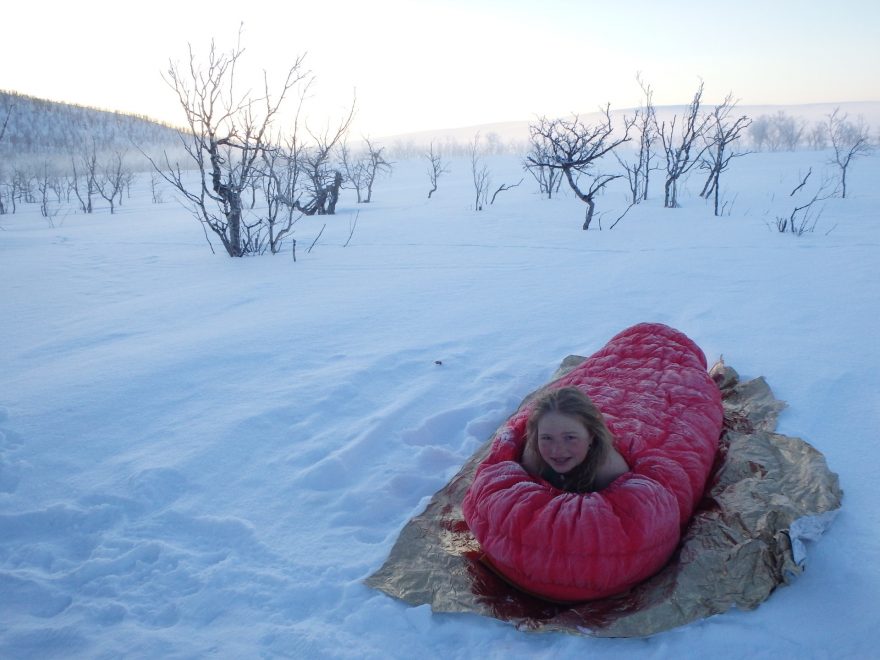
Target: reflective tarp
[(767, 493)]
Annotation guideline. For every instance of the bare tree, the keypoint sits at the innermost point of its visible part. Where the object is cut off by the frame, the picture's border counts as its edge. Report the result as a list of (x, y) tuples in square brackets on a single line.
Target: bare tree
[(355, 172), (817, 137), (112, 179), (85, 175), (647, 127), (720, 136), (280, 189), (779, 132), (574, 148), (46, 181), (682, 148), (375, 166), (13, 190), (480, 175), (548, 178), (363, 170), (436, 168), (850, 140), (323, 181), (759, 132), (789, 131), (638, 172), (20, 187), (156, 188), (228, 134)]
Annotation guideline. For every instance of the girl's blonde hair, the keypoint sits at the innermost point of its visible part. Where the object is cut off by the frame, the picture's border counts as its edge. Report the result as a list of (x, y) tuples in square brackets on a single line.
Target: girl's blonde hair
[(572, 402)]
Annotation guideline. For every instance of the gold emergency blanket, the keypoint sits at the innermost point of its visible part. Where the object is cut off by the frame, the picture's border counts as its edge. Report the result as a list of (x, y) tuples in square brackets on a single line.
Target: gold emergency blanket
[(767, 493)]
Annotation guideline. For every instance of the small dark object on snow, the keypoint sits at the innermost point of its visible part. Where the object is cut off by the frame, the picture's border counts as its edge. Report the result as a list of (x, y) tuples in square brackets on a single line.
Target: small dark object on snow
[(438, 362)]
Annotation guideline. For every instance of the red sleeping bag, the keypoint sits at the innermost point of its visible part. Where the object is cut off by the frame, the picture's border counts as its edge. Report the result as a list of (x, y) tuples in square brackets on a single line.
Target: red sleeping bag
[(651, 384)]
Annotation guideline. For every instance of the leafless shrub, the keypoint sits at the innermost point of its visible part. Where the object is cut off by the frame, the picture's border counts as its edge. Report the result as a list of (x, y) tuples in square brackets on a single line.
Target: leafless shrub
[(723, 131), (574, 148), (436, 168), (363, 169), (84, 180), (817, 136), (638, 171), (850, 140), (548, 178), (46, 183), (480, 175), (805, 215), (156, 192), (281, 208), (681, 141), (227, 138), (112, 179), (323, 181), (779, 132)]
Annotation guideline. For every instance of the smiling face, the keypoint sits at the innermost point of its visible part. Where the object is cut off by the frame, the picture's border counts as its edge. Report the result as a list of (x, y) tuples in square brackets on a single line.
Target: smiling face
[(563, 441)]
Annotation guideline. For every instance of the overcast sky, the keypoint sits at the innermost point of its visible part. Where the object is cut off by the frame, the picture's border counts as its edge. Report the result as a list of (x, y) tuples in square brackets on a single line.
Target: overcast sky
[(430, 64)]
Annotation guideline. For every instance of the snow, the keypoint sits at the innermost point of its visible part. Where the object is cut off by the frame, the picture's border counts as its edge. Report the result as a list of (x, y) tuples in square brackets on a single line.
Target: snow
[(206, 456)]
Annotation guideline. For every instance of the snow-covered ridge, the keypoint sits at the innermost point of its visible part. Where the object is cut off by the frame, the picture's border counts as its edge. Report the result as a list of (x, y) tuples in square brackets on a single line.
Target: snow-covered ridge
[(39, 127), (517, 132)]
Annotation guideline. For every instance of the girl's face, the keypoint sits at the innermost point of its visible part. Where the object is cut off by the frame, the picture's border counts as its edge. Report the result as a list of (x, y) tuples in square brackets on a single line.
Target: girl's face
[(563, 441)]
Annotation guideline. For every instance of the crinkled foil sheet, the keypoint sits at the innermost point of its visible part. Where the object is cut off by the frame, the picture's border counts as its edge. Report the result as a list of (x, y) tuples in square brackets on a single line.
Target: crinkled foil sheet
[(740, 545)]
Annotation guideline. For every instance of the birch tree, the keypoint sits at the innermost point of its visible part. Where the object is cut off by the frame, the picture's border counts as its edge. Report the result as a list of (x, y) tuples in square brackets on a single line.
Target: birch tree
[(682, 146), (723, 131), (436, 168), (228, 133), (850, 140), (575, 149)]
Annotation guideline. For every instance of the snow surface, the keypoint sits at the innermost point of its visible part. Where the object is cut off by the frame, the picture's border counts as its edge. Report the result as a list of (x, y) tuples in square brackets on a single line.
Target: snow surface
[(202, 456)]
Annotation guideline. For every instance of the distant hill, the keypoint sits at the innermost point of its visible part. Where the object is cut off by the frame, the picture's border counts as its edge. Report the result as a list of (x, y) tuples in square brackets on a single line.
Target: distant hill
[(512, 135), (41, 128)]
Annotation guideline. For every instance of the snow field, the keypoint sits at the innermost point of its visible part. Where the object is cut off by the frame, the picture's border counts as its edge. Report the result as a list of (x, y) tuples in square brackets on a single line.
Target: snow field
[(205, 456)]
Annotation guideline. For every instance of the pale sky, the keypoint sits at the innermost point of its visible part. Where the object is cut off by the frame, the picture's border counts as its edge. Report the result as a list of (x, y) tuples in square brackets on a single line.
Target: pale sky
[(432, 64)]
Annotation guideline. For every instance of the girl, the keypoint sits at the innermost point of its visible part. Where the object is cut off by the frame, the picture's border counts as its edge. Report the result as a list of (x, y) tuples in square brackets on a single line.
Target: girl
[(568, 444)]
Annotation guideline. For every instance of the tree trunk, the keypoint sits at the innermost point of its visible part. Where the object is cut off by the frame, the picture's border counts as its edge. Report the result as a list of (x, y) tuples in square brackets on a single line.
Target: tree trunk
[(234, 218), (591, 206), (716, 196), (334, 193)]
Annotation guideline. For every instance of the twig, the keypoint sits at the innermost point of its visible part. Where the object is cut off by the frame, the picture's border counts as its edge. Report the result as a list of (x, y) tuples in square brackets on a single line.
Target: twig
[(316, 238), (352, 228), (614, 224), (802, 183), (502, 188)]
